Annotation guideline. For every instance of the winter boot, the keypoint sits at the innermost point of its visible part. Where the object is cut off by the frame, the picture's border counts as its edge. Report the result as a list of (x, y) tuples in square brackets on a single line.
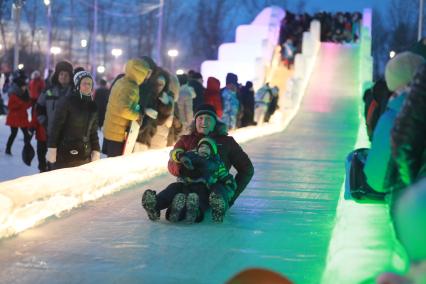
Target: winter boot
[(149, 200), (192, 204), (176, 207), (217, 203)]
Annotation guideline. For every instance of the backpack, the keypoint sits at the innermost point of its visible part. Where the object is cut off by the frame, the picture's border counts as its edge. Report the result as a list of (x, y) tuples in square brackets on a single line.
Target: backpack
[(358, 186)]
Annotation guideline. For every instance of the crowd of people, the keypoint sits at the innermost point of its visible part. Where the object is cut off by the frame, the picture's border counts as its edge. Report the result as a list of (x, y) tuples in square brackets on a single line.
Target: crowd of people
[(339, 28), (67, 115), (395, 165)]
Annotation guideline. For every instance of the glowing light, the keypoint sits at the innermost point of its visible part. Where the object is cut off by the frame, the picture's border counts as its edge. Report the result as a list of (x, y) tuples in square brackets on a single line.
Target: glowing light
[(101, 69), (55, 50), (1, 46), (173, 52), (392, 54), (180, 72), (46, 2), (83, 43), (20, 66), (116, 52)]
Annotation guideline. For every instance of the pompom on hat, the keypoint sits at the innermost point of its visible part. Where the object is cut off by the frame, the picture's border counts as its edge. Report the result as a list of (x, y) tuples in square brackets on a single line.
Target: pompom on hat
[(400, 70)]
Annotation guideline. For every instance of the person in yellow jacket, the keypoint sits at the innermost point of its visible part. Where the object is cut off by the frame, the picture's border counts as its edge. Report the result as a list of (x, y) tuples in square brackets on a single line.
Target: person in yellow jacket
[(123, 106)]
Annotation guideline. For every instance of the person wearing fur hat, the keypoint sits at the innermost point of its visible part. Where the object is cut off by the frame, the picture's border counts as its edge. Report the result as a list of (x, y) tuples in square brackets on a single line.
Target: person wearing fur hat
[(60, 86), (19, 102), (379, 167), (205, 124), (74, 140), (124, 106)]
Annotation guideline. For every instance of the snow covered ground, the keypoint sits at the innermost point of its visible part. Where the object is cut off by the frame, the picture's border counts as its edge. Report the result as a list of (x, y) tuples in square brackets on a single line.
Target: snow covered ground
[(12, 166)]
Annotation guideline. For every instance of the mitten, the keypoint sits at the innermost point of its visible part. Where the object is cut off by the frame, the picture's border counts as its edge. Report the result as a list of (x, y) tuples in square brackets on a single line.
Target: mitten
[(95, 155), (51, 155)]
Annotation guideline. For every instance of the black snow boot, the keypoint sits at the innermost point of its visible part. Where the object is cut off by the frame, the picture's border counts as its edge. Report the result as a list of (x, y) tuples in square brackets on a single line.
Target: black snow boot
[(176, 207), (149, 200), (217, 203), (192, 204)]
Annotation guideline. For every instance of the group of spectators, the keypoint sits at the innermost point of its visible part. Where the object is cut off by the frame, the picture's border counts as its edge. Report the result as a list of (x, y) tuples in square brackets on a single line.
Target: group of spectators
[(62, 112), (395, 111), (67, 115), (339, 28)]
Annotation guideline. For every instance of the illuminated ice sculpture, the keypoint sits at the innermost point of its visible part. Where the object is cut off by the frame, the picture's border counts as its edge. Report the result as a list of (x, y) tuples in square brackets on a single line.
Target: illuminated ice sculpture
[(251, 53)]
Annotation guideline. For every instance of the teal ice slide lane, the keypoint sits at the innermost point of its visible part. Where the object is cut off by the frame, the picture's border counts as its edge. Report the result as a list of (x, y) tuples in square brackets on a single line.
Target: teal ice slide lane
[(282, 221)]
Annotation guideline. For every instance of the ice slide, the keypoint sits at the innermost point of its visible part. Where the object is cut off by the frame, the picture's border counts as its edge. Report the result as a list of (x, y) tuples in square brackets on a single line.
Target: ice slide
[(282, 221)]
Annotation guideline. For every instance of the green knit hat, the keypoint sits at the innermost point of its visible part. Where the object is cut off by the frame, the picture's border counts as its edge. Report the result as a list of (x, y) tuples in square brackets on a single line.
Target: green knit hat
[(209, 142)]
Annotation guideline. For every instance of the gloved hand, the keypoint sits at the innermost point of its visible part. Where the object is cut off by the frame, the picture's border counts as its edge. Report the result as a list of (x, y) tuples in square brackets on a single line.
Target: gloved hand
[(95, 155), (152, 113), (186, 162), (51, 155)]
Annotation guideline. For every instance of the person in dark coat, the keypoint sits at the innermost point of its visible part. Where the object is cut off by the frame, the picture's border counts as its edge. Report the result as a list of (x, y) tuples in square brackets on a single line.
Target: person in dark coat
[(247, 99), (19, 102), (74, 137), (36, 87), (205, 124), (196, 82), (101, 101)]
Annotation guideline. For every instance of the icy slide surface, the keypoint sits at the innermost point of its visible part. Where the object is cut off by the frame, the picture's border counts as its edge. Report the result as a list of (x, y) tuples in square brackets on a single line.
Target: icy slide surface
[(282, 221)]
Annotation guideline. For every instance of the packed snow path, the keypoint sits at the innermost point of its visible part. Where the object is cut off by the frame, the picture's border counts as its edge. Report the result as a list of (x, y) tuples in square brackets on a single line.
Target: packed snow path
[(282, 221)]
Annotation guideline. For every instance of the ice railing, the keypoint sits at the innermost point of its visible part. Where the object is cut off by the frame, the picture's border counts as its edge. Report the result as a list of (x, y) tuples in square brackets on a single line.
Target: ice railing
[(28, 201)]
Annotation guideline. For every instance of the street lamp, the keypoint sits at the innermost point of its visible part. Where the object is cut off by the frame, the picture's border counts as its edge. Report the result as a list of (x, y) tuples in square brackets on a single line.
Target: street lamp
[(83, 43), (180, 72), (101, 69), (392, 54), (49, 36), (55, 50), (173, 53), (116, 52), (16, 16), (20, 66)]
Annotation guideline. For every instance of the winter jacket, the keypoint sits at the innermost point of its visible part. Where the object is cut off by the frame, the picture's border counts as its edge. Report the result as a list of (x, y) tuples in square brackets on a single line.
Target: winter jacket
[(154, 132), (376, 167), (46, 105), (409, 132), (208, 170), (19, 102), (229, 151), (74, 131), (184, 104), (36, 87), (212, 95), (123, 105), (101, 100), (231, 106), (199, 94)]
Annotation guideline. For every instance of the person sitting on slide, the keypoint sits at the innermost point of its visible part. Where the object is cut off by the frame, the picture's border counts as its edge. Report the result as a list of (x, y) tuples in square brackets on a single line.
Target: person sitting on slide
[(205, 124)]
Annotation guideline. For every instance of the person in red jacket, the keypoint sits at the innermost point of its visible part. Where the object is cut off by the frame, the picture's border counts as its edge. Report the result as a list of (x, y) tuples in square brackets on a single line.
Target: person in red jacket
[(212, 95), (206, 124), (36, 87), (19, 102)]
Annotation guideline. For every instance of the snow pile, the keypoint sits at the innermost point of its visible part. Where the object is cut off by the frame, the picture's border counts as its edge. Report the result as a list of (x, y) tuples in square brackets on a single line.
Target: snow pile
[(28, 201)]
